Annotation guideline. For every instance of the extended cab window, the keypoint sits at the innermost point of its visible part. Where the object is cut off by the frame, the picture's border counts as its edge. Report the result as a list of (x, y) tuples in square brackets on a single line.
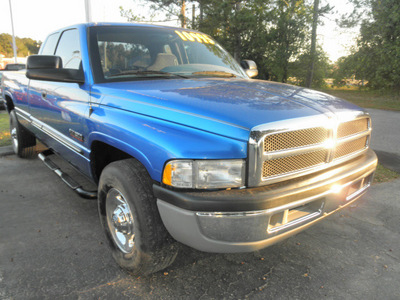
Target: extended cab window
[(50, 44), (69, 49)]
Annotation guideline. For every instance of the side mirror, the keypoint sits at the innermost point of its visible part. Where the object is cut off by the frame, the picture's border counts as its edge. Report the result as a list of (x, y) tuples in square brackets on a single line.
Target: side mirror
[(249, 67), (49, 68), (43, 62)]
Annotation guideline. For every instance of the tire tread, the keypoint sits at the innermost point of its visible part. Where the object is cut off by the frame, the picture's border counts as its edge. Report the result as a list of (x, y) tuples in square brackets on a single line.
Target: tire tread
[(26, 140), (157, 248)]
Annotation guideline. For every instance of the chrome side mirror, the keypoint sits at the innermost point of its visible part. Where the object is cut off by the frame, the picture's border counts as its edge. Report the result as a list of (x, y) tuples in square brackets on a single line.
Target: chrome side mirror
[(249, 67)]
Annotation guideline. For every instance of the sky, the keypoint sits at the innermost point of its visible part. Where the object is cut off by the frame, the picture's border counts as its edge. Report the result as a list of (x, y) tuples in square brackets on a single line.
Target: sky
[(37, 18)]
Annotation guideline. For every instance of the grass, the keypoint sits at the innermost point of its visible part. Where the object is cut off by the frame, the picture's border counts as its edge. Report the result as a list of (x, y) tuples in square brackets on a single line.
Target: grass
[(5, 138), (383, 174), (367, 98)]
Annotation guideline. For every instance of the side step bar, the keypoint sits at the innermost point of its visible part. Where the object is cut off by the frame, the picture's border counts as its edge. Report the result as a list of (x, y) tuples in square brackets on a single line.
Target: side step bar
[(44, 156)]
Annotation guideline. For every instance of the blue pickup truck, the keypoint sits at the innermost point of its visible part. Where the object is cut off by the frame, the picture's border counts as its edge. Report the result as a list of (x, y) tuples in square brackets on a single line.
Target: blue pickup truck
[(182, 144)]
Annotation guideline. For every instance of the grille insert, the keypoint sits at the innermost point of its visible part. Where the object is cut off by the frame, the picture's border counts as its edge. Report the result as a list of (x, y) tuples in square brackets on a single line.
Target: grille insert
[(293, 163), (350, 147), (352, 127), (294, 139)]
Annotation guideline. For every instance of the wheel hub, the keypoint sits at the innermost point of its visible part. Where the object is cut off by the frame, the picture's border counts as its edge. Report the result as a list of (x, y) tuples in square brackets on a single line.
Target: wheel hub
[(14, 137), (120, 220)]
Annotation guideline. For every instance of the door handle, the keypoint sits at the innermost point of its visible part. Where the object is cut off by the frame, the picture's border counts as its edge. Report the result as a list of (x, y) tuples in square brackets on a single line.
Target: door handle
[(44, 95)]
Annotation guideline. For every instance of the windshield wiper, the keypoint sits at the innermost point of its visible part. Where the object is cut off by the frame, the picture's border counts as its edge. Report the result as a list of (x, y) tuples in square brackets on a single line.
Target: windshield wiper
[(146, 72), (215, 73)]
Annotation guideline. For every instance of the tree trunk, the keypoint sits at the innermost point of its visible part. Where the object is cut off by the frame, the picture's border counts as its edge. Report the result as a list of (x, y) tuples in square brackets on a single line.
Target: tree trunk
[(193, 15), (237, 41), (183, 14), (201, 12), (237, 47), (313, 45)]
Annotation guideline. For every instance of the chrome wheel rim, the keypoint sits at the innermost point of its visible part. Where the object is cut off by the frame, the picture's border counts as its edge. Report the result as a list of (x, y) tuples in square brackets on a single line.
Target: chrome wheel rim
[(120, 220), (14, 137)]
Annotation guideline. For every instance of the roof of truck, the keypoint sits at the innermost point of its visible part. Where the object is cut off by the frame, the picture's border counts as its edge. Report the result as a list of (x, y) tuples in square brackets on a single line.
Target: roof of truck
[(99, 24)]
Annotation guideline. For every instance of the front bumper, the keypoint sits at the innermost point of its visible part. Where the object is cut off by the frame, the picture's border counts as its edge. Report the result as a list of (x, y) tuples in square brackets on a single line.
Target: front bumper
[(251, 219)]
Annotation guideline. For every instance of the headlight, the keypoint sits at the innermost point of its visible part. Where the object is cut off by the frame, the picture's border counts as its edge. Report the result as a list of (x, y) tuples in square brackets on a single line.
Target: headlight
[(204, 174)]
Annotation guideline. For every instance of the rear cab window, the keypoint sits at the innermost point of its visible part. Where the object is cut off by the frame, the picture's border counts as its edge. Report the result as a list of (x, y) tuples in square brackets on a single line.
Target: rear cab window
[(49, 46)]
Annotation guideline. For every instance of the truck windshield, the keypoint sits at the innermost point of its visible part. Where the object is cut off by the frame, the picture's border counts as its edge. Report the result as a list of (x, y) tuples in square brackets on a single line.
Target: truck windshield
[(123, 53)]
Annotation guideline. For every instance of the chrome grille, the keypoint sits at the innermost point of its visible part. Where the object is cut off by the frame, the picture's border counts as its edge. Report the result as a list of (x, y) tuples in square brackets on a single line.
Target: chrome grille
[(293, 163), (285, 150), (294, 139), (350, 147), (352, 127)]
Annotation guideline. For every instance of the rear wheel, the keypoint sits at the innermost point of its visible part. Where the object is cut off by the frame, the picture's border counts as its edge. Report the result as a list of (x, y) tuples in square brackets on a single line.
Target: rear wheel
[(128, 212), (23, 142)]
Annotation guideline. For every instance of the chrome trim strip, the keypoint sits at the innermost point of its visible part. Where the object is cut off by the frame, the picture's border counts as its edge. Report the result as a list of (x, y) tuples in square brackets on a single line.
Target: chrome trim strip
[(358, 192), (23, 114), (296, 221), (23, 117), (316, 168), (353, 137), (269, 211), (55, 134), (261, 131), (293, 151), (231, 214), (350, 156), (36, 124)]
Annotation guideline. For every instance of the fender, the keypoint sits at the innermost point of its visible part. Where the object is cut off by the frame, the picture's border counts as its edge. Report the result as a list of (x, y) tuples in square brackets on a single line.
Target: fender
[(121, 145), (9, 102)]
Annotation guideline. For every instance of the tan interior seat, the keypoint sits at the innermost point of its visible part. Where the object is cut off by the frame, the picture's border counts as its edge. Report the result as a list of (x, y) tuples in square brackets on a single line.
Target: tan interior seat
[(163, 60)]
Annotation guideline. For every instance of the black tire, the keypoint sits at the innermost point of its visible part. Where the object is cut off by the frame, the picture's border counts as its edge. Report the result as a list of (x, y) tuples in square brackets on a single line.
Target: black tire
[(23, 142), (153, 249)]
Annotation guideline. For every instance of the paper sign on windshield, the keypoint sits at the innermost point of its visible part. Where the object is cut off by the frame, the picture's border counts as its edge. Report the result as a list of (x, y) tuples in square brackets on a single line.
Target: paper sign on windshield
[(194, 37)]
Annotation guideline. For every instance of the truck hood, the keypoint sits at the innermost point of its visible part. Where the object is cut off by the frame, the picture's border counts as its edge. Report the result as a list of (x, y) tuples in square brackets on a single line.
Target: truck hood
[(227, 107)]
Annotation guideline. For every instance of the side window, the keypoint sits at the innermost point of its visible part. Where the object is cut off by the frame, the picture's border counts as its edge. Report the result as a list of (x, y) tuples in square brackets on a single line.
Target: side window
[(69, 49), (50, 44)]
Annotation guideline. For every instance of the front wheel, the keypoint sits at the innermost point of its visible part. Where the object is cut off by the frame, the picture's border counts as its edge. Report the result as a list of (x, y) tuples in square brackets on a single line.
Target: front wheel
[(23, 142), (128, 212)]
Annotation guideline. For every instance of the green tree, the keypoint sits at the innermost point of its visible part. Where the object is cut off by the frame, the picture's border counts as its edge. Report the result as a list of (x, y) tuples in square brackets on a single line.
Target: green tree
[(236, 24), (25, 46), (272, 33), (377, 55), (299, 69), (169, 8), (289, 34)]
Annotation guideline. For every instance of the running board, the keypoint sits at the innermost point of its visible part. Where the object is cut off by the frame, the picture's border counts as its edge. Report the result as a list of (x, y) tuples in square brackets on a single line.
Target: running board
[(44, 156)]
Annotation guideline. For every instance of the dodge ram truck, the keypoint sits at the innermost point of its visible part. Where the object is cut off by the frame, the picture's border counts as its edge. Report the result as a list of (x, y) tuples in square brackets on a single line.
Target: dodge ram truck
[(182, 144)]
